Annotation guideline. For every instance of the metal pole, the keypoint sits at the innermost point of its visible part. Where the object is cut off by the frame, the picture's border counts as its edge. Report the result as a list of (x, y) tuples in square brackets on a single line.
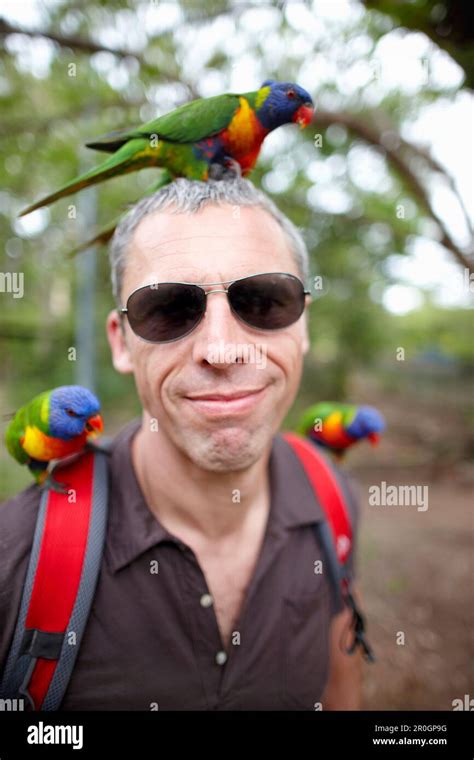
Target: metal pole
[(86, 271)]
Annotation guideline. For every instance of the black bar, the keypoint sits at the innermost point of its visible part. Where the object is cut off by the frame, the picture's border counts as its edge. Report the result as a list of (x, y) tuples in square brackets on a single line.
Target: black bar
[(215, 734)]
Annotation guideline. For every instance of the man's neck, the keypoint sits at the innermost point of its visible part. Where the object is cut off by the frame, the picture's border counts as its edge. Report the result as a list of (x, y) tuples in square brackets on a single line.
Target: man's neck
[(190, 500)]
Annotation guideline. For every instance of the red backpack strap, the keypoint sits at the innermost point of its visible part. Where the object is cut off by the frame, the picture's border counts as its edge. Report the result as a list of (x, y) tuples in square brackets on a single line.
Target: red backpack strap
[(328, 491), (338, 541), (60, 583)]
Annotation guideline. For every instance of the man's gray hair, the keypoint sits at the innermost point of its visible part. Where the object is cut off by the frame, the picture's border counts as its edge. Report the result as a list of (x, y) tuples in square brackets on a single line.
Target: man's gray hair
[(188, 196)]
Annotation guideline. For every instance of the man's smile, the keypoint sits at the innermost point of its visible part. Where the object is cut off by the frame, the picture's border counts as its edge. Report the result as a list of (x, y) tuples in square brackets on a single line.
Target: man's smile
[(238, 402)]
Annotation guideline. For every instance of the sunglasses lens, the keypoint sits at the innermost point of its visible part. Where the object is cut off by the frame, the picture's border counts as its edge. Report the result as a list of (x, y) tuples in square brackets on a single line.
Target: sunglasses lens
[(165, 312), (268, 301)]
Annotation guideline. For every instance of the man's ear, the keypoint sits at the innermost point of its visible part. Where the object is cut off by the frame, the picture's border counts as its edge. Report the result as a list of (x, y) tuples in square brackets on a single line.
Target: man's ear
[(118, 344)]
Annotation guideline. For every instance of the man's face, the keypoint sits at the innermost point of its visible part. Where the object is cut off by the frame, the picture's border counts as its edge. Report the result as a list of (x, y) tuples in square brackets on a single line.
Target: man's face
[(219, 243)]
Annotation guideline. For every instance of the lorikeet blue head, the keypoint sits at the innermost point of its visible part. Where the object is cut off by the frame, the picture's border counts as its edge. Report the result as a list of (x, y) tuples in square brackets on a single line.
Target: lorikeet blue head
[(73, 410), (286, 102), (367, 423)]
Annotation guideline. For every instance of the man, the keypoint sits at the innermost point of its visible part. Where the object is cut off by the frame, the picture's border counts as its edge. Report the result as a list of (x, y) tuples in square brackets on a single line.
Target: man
[(207, 598)]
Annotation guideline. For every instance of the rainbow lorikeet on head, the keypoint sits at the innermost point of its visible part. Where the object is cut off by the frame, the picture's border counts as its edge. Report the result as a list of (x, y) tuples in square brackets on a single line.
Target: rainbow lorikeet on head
[(198, 140), (337, 426), (54, 425)]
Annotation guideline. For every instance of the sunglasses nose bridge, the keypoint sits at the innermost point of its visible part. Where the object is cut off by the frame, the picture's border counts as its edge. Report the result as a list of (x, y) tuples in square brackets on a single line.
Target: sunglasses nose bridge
[(216, 290), (225, 327)]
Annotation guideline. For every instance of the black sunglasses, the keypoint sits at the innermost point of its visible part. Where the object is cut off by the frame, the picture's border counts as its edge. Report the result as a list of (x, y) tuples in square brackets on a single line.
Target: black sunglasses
[(166, 311)]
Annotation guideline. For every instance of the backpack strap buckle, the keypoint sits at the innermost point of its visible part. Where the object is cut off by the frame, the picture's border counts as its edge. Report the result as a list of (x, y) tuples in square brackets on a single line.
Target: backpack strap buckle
[(358, 626)]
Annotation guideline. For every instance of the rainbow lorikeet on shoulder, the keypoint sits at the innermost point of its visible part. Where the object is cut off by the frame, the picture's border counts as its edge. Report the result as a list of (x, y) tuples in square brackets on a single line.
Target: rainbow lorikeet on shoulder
[(53, 425), (198, 138), (337, 426)]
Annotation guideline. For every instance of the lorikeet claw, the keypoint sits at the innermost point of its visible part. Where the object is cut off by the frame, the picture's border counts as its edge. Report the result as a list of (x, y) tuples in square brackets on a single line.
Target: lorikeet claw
[(229, 169), (54, 485), (233, 166)]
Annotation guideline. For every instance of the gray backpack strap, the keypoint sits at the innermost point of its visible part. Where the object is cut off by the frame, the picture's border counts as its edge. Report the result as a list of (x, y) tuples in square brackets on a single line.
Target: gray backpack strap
[(324, 536), (27, 673), (341, 582)]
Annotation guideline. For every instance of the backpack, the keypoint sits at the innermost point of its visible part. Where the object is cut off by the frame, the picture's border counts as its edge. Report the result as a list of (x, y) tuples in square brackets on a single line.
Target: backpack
[(65, 562)]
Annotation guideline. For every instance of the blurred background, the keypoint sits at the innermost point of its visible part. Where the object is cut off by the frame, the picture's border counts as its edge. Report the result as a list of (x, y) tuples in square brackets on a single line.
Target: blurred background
[(382, 187)]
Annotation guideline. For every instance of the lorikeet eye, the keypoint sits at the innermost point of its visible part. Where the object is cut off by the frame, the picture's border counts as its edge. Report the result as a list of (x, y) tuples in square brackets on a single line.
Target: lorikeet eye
[(291, 94), (71, 413)]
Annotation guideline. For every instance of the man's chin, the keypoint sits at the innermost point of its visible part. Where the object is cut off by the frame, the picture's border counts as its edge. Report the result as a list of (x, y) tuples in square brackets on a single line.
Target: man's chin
[(227, 449)]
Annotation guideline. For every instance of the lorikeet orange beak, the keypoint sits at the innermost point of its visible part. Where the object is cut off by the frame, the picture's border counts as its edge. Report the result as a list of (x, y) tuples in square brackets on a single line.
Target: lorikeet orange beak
[(374, 438), (95, 424), (303, 116)]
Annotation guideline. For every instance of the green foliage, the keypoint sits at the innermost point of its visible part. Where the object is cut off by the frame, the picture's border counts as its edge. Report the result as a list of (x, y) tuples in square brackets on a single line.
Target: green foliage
[(448, 332), (447, 22)]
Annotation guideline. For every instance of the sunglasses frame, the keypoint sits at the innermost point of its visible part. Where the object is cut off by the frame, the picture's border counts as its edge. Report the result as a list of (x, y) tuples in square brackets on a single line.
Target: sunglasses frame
[(154, 285)]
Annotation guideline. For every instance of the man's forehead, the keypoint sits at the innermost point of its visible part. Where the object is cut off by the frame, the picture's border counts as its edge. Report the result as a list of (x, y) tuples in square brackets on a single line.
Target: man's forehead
[(232, 224), (189, 247)]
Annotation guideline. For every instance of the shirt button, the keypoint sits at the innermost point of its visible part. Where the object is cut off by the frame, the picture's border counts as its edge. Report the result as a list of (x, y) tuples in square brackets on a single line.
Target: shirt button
[(221, 657), (206, 600)]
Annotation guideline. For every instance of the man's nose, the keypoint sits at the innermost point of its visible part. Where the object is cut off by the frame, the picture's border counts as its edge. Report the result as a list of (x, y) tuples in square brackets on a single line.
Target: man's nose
[(219, 332)]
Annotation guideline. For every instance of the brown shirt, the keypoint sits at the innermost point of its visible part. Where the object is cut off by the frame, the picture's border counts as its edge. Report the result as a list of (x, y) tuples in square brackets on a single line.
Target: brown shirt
[(152, 639)]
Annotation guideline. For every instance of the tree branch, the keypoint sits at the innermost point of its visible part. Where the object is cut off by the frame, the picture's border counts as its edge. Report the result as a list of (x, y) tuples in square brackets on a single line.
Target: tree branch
[(437, 167), (82, 111), (368, 134), (75, 43), (88, 46)]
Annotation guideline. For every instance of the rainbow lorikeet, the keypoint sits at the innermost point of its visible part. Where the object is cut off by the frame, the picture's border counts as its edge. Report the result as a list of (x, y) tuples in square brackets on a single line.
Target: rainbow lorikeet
[(53, 425), (337, 426), (198, 140)]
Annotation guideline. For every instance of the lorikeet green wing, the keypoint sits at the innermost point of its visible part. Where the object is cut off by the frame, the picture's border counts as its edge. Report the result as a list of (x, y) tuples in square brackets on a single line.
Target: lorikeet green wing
[(188, 123), (35, 413), (321, 412)]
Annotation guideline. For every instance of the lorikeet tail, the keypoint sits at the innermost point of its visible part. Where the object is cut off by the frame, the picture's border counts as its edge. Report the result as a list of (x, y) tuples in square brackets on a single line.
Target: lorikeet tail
[(104, 235), (133, 156)]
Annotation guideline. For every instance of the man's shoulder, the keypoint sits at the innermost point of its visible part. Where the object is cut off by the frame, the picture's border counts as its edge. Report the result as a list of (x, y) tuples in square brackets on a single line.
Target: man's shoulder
[(17, 527), (293, 471), (17, 521)]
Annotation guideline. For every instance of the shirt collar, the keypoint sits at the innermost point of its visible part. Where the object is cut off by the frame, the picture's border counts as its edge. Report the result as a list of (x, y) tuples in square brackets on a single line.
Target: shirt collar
[(133, 529)]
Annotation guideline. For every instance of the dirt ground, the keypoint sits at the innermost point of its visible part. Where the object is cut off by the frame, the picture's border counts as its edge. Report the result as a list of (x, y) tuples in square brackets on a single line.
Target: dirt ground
[(416, 567), (416, 573)]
